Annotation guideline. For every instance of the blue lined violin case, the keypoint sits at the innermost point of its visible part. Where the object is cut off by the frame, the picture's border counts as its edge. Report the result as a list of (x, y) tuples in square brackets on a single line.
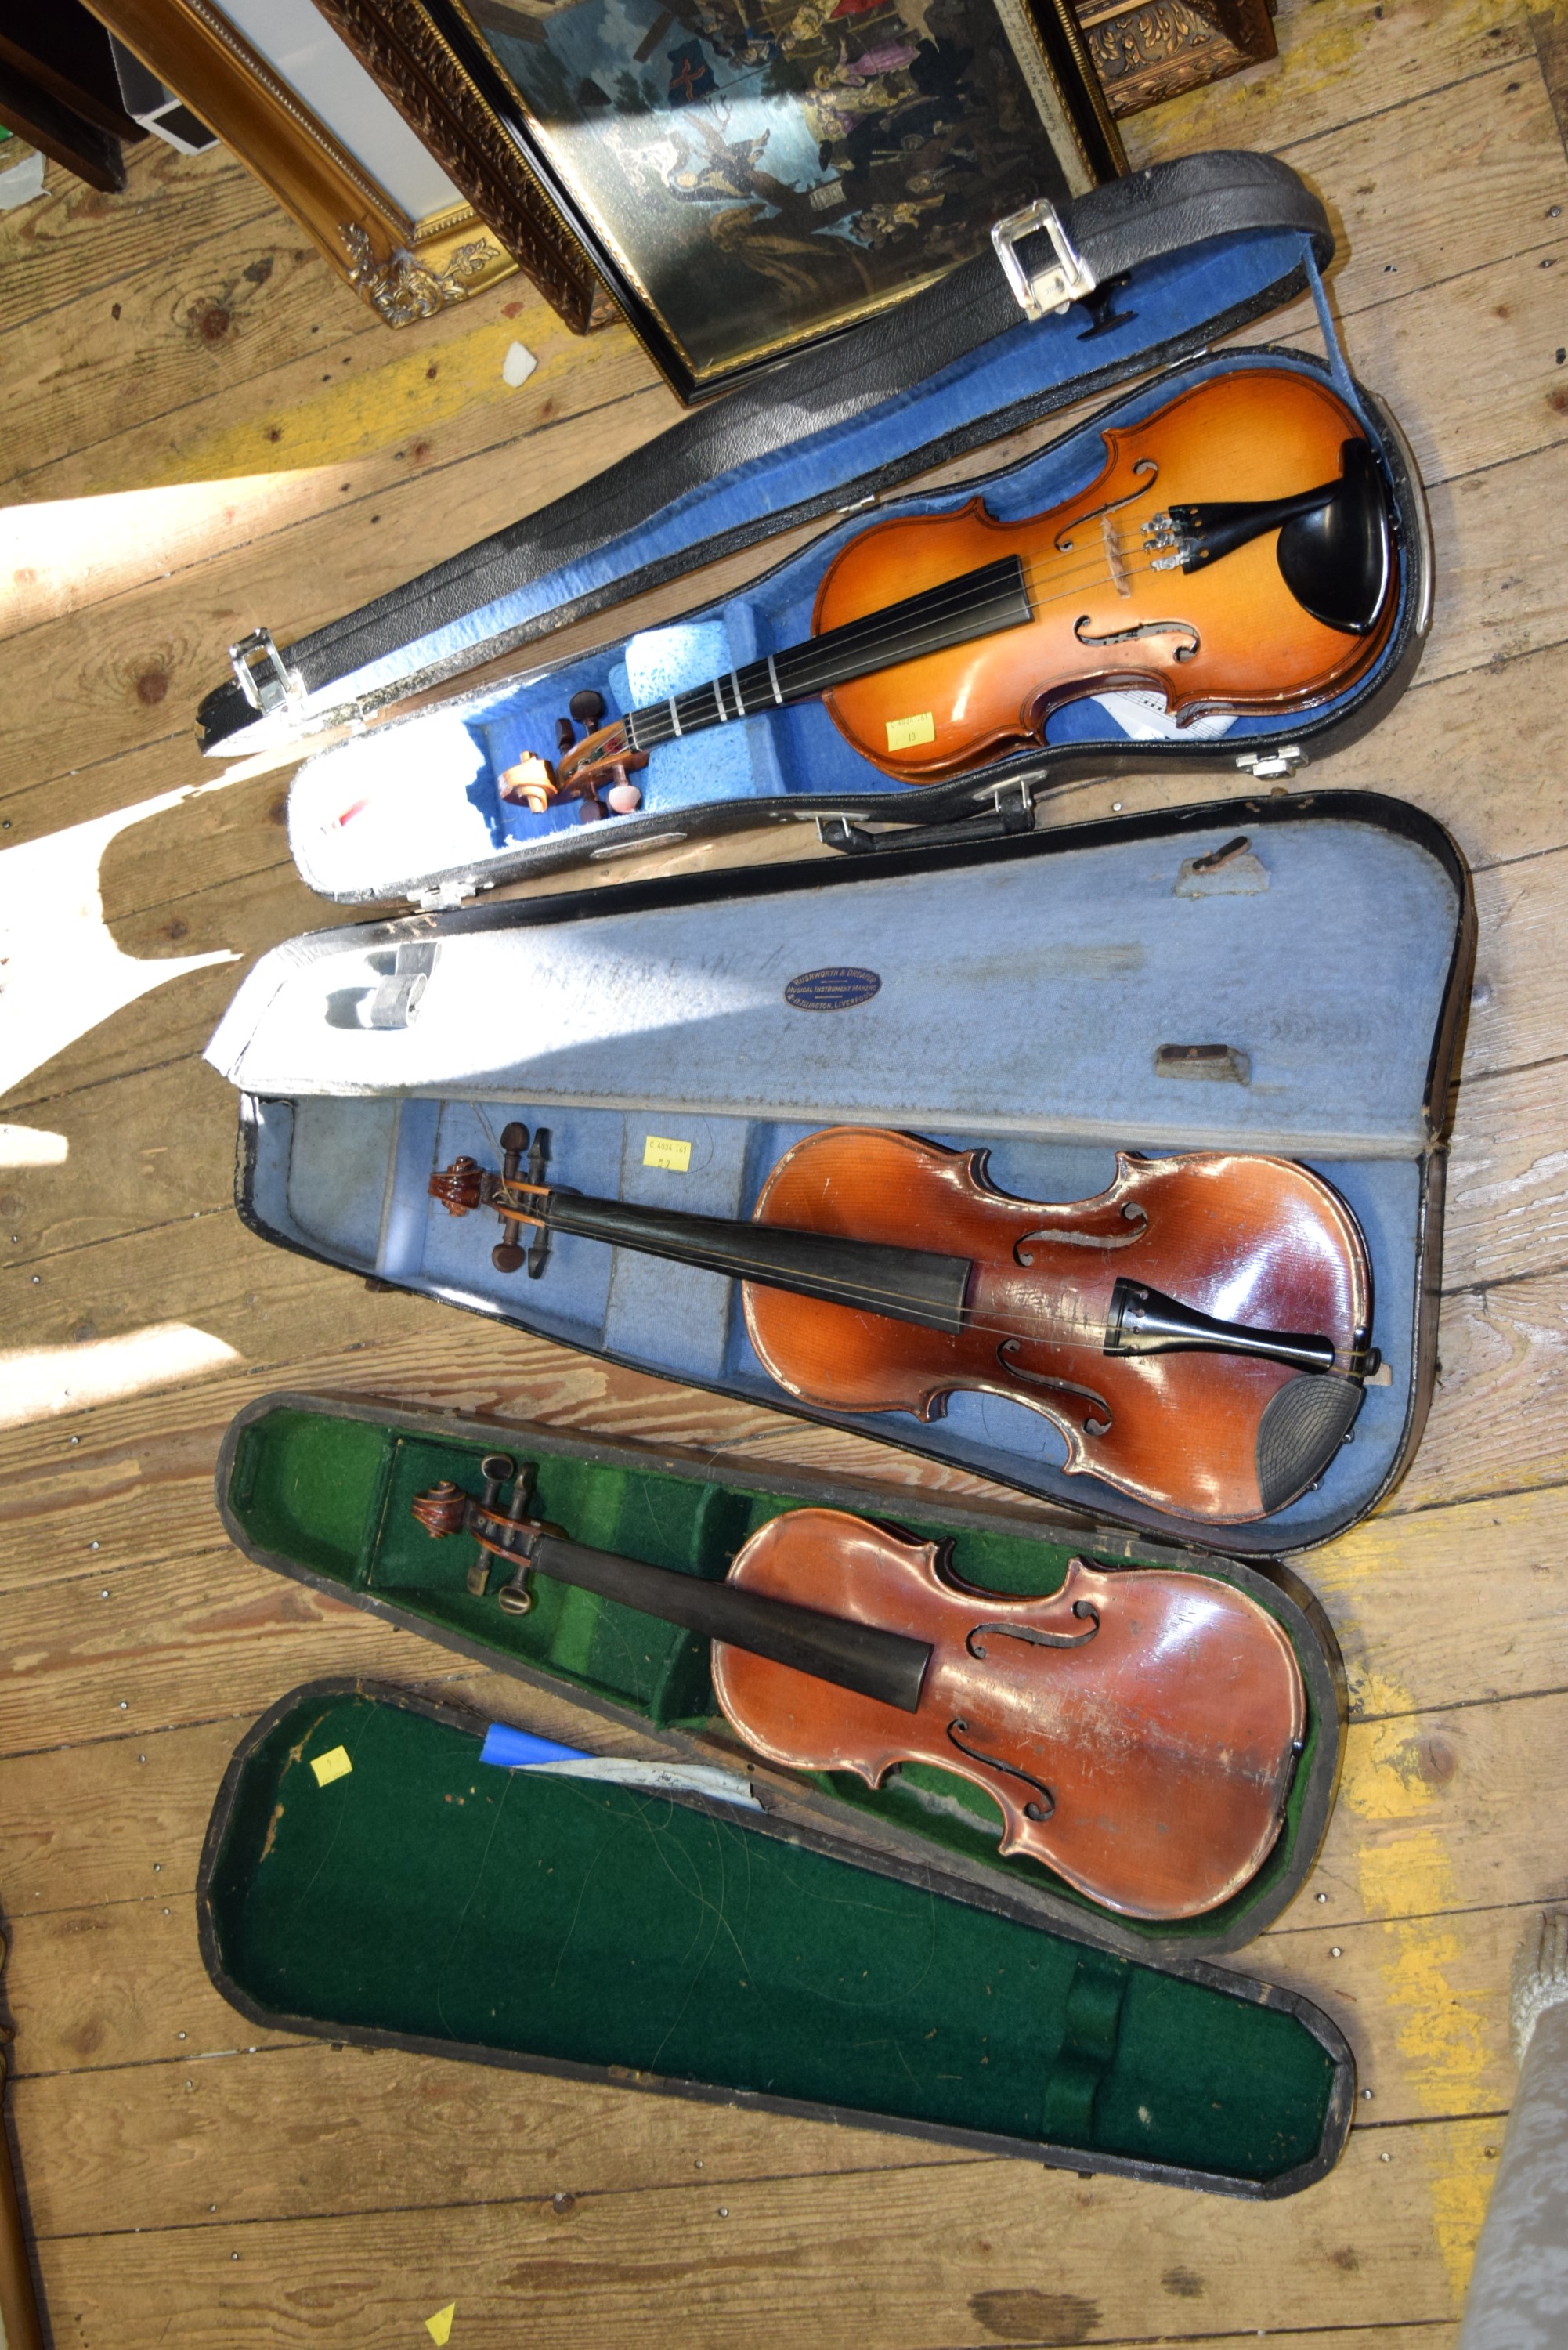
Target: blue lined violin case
[(1283, 974), (1132, 284)]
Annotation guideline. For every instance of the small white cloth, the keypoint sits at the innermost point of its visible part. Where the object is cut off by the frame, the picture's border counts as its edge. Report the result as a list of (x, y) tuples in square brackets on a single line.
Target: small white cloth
[(1144, 717)]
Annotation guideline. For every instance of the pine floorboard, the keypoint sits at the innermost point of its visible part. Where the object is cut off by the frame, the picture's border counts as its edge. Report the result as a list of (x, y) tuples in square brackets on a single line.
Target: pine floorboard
[(206, 430)]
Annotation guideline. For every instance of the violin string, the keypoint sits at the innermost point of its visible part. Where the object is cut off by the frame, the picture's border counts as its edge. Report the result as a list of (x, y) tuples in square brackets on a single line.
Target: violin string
[(1093, 571), (866, 1291), (874, 648)]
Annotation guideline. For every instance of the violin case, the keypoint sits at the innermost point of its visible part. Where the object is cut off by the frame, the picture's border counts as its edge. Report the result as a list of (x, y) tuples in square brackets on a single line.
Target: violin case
[(1281, 975), (421, 1900), (322, 1490), (1135, 281)]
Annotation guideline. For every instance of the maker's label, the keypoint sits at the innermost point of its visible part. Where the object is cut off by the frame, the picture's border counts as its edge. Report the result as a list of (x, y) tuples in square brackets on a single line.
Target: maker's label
[(904, 734), (836, 988), (661, 1151)]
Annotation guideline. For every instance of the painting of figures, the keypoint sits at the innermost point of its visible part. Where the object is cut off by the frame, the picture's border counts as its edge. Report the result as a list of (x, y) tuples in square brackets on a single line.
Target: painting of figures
[(762, 172)]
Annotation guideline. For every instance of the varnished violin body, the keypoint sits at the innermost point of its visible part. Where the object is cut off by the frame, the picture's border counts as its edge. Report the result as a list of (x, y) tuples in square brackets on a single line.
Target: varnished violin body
[(1235, 553), (1138, 1729), (1114, 606), (1197, 1334), (1257, 1241)]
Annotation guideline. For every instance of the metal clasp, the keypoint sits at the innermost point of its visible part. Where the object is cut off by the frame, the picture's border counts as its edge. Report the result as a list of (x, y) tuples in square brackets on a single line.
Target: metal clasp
[(1263, 766), (270, 683), (1068, 278)]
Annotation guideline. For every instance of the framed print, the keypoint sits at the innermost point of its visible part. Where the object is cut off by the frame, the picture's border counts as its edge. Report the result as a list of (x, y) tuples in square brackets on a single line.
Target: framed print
[(747, 176), (292, 100)]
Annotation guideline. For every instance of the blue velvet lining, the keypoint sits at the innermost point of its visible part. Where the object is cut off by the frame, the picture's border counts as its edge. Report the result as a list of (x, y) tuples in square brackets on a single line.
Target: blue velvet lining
[(792, 753), (1023, 1005)]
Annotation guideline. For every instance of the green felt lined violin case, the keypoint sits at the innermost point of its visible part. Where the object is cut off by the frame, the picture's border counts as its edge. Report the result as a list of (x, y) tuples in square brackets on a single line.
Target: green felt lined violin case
[(1130, 287), (321, 1490), (420, 1900)]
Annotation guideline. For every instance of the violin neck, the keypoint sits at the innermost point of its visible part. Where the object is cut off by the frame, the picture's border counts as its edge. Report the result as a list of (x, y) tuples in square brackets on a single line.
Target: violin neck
[(888, 1666), (978, 604), (904, 1285)]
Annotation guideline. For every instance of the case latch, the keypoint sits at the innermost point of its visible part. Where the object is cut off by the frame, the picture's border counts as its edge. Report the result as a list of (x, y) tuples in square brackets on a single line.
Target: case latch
[(1068, 279), (1265, 765), (267, 682)]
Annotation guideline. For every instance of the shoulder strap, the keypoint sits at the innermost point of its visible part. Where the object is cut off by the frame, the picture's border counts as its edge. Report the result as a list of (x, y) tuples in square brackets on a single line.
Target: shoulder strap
[(785, 442)]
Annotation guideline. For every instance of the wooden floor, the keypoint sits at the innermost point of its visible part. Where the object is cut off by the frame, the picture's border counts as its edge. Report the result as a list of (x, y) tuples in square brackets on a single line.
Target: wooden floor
[(208, 430)]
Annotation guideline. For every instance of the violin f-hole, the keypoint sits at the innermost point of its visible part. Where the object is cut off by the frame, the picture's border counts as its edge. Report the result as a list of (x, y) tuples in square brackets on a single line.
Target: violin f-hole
[(1012, 1769), (1007, 1355), (974, 1643), (1136, 1216), (1145, 628)]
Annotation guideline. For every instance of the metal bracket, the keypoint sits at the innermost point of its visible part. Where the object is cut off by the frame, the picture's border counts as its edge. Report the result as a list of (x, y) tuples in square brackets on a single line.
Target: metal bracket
[(453, 892), (1066, 281), (269, 683), (1011, 809), (1265, 766)]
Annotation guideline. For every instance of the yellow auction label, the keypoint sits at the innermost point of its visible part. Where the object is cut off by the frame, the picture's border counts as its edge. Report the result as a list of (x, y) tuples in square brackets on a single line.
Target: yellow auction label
[(659, 1151), (903, 734), (329, 1767)]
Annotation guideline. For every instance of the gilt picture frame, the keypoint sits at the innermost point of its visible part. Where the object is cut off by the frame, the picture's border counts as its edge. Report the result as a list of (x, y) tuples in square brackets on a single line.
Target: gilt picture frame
[(746, 177), (294, 102)]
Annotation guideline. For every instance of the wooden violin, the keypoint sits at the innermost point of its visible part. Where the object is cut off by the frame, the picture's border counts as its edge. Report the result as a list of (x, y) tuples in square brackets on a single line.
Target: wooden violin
[(1197, 1334), (1234, 553), (1138, 1729)]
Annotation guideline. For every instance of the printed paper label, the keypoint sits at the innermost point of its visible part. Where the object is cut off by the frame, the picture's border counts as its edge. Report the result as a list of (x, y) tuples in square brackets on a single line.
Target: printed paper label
[(660, 1151), (904, 734), (329, 1767)]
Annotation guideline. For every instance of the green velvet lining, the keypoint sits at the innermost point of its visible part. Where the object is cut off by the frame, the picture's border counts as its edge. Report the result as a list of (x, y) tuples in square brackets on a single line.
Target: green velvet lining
[(334, 1495), (427, 1895)]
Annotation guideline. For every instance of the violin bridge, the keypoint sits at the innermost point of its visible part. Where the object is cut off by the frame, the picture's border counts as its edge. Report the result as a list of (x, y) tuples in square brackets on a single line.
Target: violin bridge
[(1114, 562)]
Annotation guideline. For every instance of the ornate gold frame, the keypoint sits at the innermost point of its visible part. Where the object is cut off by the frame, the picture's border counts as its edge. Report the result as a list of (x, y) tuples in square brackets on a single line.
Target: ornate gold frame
[(429, 58), (406, 269)]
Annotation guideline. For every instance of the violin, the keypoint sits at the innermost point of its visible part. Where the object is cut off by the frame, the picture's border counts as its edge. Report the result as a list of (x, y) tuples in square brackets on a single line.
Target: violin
[(1234, 553), (1197, 1334), (1138, 1729)]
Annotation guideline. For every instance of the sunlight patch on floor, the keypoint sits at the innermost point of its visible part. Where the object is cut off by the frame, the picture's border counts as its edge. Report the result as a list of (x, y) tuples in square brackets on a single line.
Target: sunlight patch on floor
[(61, 973), (71, 552), (39, 1382), (31, 1146)]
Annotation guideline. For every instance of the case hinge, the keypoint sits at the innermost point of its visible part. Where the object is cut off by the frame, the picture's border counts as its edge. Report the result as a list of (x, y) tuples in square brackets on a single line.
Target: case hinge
[(267, 684), (1066, 280), (453, 892), (1263, 766)]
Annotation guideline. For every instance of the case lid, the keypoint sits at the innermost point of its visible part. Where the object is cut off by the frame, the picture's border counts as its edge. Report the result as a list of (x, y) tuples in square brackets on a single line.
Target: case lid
[(1153, 984), (421, 1900), (1130, 276), (1051, 994)]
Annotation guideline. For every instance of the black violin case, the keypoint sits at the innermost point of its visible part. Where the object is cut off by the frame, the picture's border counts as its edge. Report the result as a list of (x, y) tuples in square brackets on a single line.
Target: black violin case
[(1130, 285), (1281, 975), (367, 1878)]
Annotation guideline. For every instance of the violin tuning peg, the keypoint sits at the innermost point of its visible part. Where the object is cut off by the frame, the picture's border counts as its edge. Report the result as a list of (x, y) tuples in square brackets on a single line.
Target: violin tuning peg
[(515, 1137), (587, 706), (506, 1257), (566, 734)]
